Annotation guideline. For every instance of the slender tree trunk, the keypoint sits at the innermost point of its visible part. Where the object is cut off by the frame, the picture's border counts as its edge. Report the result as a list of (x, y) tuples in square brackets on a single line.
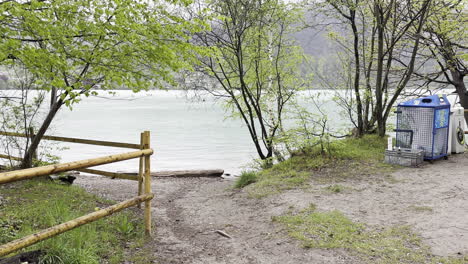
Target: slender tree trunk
[(53, 97), (410, 68), (380, 62), (29, 154), (357, 74), (457, 80)]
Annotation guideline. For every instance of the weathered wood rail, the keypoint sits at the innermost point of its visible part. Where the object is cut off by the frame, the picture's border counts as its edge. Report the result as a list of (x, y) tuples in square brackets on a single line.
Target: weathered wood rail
[(76, 140), (140, 146), (143, 177), (17, 175)]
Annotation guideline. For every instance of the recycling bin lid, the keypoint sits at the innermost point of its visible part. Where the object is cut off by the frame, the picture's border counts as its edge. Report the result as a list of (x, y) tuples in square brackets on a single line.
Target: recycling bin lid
[(428, 101)]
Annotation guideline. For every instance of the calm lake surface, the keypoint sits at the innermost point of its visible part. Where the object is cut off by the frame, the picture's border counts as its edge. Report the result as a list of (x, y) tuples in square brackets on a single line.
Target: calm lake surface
[(186, 132)]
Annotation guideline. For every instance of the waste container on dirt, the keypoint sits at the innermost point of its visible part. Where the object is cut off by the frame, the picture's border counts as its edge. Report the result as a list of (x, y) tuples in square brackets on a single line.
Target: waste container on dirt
[(457, 130), (423, 124)]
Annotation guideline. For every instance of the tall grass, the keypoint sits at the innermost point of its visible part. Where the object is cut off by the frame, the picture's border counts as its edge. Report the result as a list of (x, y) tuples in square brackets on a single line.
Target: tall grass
[(246, 178), (35, 205)]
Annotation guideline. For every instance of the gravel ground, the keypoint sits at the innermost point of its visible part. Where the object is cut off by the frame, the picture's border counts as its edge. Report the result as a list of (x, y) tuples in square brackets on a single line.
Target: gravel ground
[(187, 212)]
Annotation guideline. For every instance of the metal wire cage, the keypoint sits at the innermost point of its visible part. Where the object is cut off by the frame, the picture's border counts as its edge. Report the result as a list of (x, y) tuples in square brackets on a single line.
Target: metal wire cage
[(423, 124)]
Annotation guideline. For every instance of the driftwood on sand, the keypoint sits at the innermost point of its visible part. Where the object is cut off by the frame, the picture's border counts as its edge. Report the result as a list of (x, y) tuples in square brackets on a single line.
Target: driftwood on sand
[(185, 173)]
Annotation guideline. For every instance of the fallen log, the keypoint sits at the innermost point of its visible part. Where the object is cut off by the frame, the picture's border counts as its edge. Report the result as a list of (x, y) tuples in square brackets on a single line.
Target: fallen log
[(184, 173), (188, 173)]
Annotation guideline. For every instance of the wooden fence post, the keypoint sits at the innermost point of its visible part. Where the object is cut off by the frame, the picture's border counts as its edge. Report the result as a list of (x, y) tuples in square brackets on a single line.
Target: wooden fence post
[(141, 168), (146, 140)]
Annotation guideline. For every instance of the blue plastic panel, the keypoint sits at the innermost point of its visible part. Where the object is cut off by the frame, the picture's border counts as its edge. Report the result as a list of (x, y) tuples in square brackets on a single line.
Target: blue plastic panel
[(442, 117), (428, 101)]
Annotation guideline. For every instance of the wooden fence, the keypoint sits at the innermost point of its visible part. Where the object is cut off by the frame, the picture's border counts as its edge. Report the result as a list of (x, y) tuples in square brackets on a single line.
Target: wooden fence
[(144, 178)]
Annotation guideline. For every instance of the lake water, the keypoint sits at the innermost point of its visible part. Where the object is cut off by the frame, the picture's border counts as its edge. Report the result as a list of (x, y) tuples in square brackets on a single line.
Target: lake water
[(185, 133)]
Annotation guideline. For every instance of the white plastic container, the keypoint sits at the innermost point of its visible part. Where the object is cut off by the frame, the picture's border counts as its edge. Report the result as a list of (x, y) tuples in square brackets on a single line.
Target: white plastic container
[(457, 130)]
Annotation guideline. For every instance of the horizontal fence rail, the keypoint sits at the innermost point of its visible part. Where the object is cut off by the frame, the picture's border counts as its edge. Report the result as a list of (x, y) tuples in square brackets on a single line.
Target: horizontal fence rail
[(61, 228), (56, 168), (77, 140), (113, 175), (10, 157), (144, 177)]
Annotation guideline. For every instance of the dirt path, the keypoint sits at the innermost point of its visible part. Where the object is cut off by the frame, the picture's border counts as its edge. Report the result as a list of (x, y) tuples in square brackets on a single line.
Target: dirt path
[(432, 199)]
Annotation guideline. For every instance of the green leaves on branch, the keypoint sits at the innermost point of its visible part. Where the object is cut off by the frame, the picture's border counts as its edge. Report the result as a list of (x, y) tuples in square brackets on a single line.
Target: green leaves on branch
[(76, 46), (253, 58)]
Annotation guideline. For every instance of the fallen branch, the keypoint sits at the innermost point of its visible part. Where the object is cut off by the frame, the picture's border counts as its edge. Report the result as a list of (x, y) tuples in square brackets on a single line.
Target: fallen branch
[(224, 234)]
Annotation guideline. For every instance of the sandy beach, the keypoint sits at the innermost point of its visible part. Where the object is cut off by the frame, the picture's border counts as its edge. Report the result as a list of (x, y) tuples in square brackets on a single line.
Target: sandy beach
[(432, 200)]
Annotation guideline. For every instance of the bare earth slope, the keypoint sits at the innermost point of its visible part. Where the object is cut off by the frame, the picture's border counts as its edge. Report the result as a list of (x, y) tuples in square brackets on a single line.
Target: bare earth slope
[(433, 200)]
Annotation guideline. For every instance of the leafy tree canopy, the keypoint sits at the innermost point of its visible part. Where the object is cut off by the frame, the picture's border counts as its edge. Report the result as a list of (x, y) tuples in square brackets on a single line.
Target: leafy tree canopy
[(75, 46)]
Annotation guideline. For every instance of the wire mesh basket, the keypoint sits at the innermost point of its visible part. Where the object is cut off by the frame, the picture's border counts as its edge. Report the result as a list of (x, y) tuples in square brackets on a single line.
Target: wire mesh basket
[(423, 124), (404, 157)]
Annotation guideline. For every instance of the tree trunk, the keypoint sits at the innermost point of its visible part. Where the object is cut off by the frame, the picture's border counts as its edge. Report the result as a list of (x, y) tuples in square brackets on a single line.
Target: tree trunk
[(357, 73), (379, 78), (457, 80), (28, 156)]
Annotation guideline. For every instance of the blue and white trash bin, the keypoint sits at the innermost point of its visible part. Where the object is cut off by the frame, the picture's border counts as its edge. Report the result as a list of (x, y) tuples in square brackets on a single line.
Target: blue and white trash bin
[(423, 124)]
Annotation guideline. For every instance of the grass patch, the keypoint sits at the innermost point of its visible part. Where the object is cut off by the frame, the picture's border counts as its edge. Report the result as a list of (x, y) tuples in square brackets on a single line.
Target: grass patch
[(331, 230), (344, 159), (336, 188), (34, 205), (246, 178), (421, 208)]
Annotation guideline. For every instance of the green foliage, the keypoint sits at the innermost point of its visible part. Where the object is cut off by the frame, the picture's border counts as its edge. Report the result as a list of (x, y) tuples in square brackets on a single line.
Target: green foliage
[(309, 129), (246, 178), (126, 226), (35, 205), (74, 47), (256, 62), (77, 46), (330, 230), (367, 153)]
